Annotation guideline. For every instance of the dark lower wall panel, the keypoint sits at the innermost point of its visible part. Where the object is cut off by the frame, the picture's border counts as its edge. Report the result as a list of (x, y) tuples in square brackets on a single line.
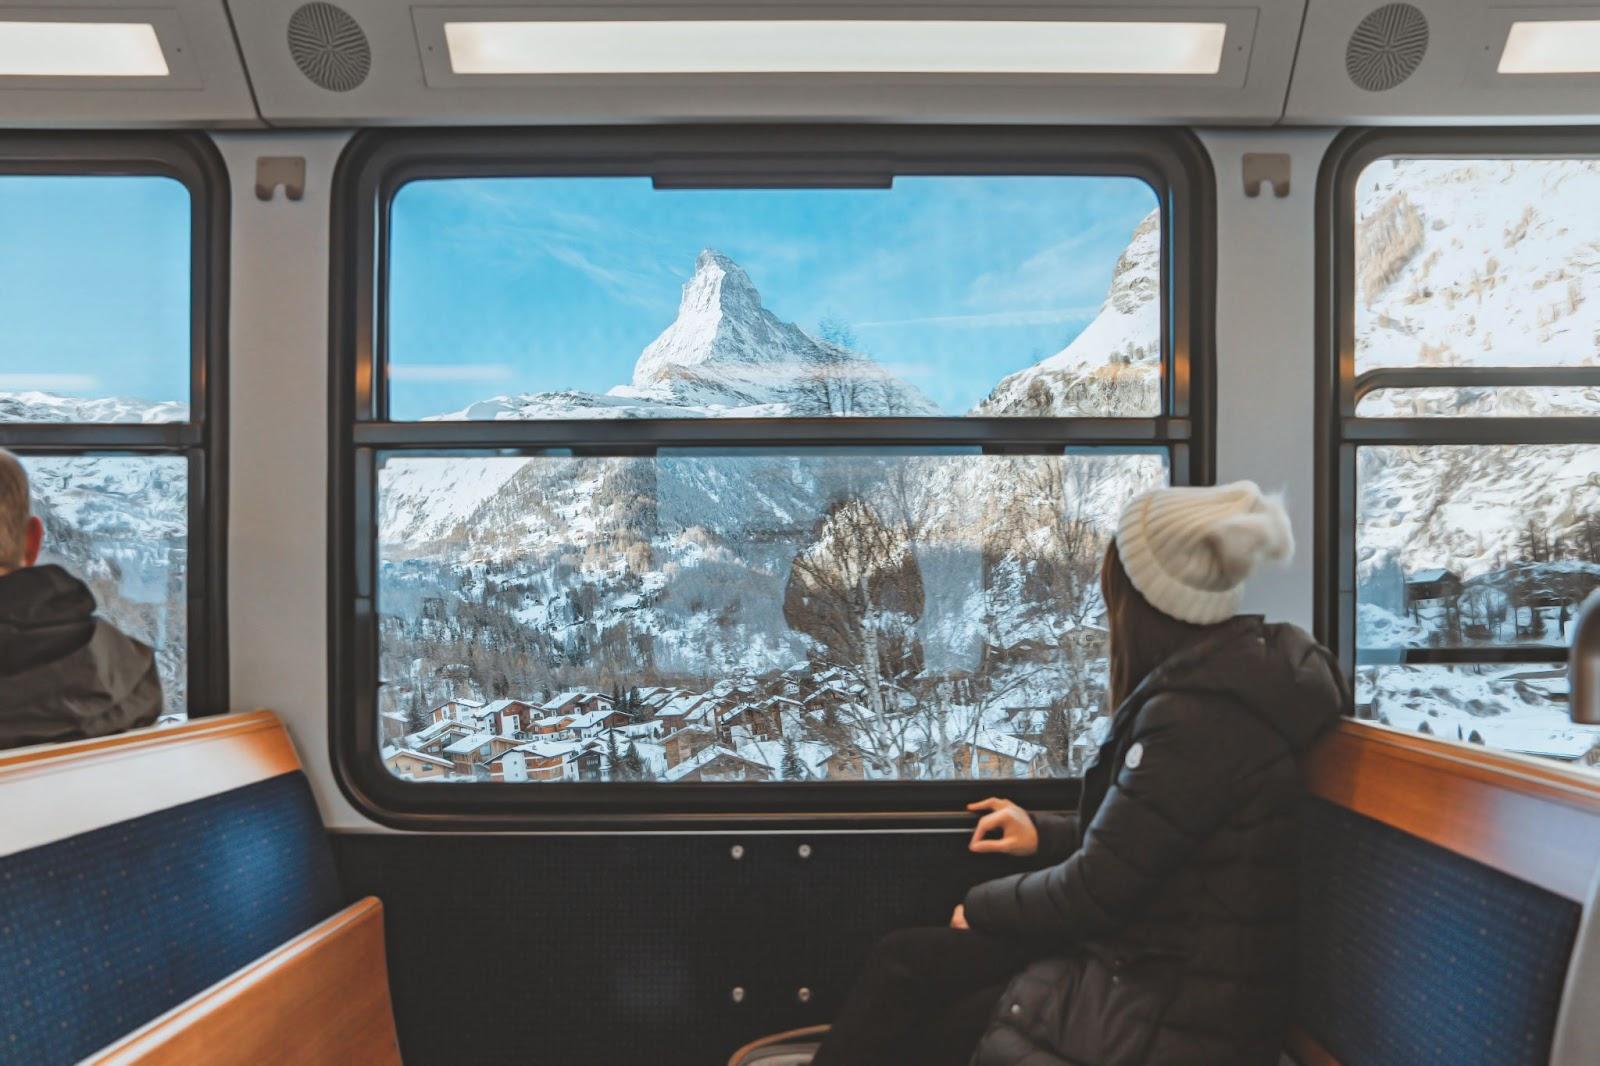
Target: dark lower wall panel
[(618, 949)]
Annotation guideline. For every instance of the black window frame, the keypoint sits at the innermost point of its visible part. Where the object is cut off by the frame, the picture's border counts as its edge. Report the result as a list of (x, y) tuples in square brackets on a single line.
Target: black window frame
[(1341, 432), (202, 441), (376, 164)]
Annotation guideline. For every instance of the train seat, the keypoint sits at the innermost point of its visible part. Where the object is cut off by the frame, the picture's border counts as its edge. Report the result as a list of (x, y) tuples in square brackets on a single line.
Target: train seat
[(140, 871), (1442, 899)]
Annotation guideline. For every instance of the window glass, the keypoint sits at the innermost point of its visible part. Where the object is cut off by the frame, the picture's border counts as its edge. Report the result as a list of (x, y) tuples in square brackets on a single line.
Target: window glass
[(725, 615), (547, 298), (1520, 708), (95, 298), (121, 524), (1482, 401), (1483, 262), (1475, 545)]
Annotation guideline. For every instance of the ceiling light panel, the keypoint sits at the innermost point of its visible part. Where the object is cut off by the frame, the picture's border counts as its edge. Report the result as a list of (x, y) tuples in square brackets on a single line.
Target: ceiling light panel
[(1558, 46), (38, 49), (875, 46)]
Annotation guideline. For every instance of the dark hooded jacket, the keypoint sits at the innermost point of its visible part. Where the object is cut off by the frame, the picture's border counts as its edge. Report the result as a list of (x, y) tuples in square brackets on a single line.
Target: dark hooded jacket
[(1169, 918), (65, 674)]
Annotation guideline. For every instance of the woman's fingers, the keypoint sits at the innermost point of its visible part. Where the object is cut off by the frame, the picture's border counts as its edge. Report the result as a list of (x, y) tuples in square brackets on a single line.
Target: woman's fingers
[(986, 824), (993, 803)]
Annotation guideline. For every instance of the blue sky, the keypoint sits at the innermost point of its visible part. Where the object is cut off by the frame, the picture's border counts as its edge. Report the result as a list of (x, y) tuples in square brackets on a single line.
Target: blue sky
[(94, 286), (535, 284)]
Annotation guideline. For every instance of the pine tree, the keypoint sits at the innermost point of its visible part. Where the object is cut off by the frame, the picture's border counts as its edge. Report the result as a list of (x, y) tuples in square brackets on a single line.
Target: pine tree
[(635, 705), (633, 764), (614, 768), (793, 768), (417, 716)]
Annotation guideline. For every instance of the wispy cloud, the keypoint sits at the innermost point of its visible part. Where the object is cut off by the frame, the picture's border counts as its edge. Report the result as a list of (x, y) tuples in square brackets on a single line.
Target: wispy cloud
[(441, 372), (1048, 316), (48, 382)]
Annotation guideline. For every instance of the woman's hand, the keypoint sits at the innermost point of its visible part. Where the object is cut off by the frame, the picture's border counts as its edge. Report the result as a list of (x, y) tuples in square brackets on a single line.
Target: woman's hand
[(1018, 836), (958, 920)]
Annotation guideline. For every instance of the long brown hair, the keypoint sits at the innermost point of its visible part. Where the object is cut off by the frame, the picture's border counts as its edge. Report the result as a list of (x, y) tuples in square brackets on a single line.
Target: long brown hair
[(1142, 638)]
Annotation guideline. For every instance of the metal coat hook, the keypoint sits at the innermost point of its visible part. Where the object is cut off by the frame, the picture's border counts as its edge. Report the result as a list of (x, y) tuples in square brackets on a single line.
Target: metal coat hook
[(275, 170), (1271, 168)]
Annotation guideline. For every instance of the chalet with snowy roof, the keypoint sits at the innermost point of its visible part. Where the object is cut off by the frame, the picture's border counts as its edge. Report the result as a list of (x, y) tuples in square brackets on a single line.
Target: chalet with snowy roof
[(435, 737), (537, 760), (509, 717), (574, 702), (688, 708), (593, 723), (1432, 584), (470, 751), (416, 765), (999, 755), (685, 743), (457, 709), (717, 763)]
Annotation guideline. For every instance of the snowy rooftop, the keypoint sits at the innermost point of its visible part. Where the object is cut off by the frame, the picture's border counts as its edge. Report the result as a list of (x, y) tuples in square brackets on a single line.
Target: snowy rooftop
[(420, 756), (701, 759), (469, 743), (1009, 746)]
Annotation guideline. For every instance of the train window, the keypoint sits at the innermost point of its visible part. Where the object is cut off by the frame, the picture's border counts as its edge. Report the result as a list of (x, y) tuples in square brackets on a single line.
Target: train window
[(1468, 296), (752, 472), (570, 298), (110, 381)]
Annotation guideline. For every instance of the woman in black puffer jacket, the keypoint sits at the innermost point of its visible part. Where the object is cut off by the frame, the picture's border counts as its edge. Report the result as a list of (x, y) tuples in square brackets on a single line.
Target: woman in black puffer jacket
[(1160, 928)]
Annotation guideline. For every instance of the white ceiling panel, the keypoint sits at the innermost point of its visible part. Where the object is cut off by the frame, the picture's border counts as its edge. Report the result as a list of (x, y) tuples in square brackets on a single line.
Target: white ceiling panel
[(410, 80), (205, 84), (1457, 80)]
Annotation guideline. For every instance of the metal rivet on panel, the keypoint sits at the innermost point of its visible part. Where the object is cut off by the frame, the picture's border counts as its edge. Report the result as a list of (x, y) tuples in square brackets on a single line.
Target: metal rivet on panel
[(738, 993), (737, 851), (804, 995), (805, 851)]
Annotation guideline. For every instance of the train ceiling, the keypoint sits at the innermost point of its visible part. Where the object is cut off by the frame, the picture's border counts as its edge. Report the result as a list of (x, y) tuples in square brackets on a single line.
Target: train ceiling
[(289, 63)]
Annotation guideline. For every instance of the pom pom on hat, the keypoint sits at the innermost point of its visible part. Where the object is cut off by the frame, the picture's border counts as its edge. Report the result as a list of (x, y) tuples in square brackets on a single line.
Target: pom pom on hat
[(1189, 550)]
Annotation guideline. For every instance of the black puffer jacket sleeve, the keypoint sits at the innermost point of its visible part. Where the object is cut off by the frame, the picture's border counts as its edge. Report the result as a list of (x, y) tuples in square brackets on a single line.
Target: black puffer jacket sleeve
[(1059, 836), (1193, 754)]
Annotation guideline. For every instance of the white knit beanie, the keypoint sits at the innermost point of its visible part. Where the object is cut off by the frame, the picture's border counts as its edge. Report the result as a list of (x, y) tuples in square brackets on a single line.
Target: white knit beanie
[(1189, 550)]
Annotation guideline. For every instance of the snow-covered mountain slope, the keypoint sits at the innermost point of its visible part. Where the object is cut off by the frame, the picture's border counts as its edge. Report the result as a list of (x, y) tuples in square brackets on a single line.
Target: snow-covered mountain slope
[(727, 356), (1114, 366), (1476, 263), (1468, 508), (1484, 262), (36, 406)]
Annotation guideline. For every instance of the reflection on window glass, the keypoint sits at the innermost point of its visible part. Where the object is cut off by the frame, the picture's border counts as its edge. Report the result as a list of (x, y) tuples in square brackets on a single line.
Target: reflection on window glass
[(1478, 263), (717, 616), (1519, 708), (1474, 546), (1501, 401), (94, 294), (542, 298), (120, 524)]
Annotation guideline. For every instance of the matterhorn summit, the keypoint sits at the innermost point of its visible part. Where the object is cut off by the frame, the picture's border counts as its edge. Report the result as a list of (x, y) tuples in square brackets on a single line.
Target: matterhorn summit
[(725, 350)]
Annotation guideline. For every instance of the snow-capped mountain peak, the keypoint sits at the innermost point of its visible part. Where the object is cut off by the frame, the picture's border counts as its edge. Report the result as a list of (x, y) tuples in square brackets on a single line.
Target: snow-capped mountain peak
[(725, 349), (1113, 366)]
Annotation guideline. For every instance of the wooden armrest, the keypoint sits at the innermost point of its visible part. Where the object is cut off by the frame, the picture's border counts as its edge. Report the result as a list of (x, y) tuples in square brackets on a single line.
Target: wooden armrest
[(322, 999)]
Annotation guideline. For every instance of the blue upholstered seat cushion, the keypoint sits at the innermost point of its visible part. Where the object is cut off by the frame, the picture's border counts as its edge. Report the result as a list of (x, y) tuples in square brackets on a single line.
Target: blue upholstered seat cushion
[(102, 932), (1411, 955)]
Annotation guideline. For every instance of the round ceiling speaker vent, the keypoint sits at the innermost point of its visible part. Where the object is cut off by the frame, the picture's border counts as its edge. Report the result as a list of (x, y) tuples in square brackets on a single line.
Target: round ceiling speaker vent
[(1386, 48), (329, 47)]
